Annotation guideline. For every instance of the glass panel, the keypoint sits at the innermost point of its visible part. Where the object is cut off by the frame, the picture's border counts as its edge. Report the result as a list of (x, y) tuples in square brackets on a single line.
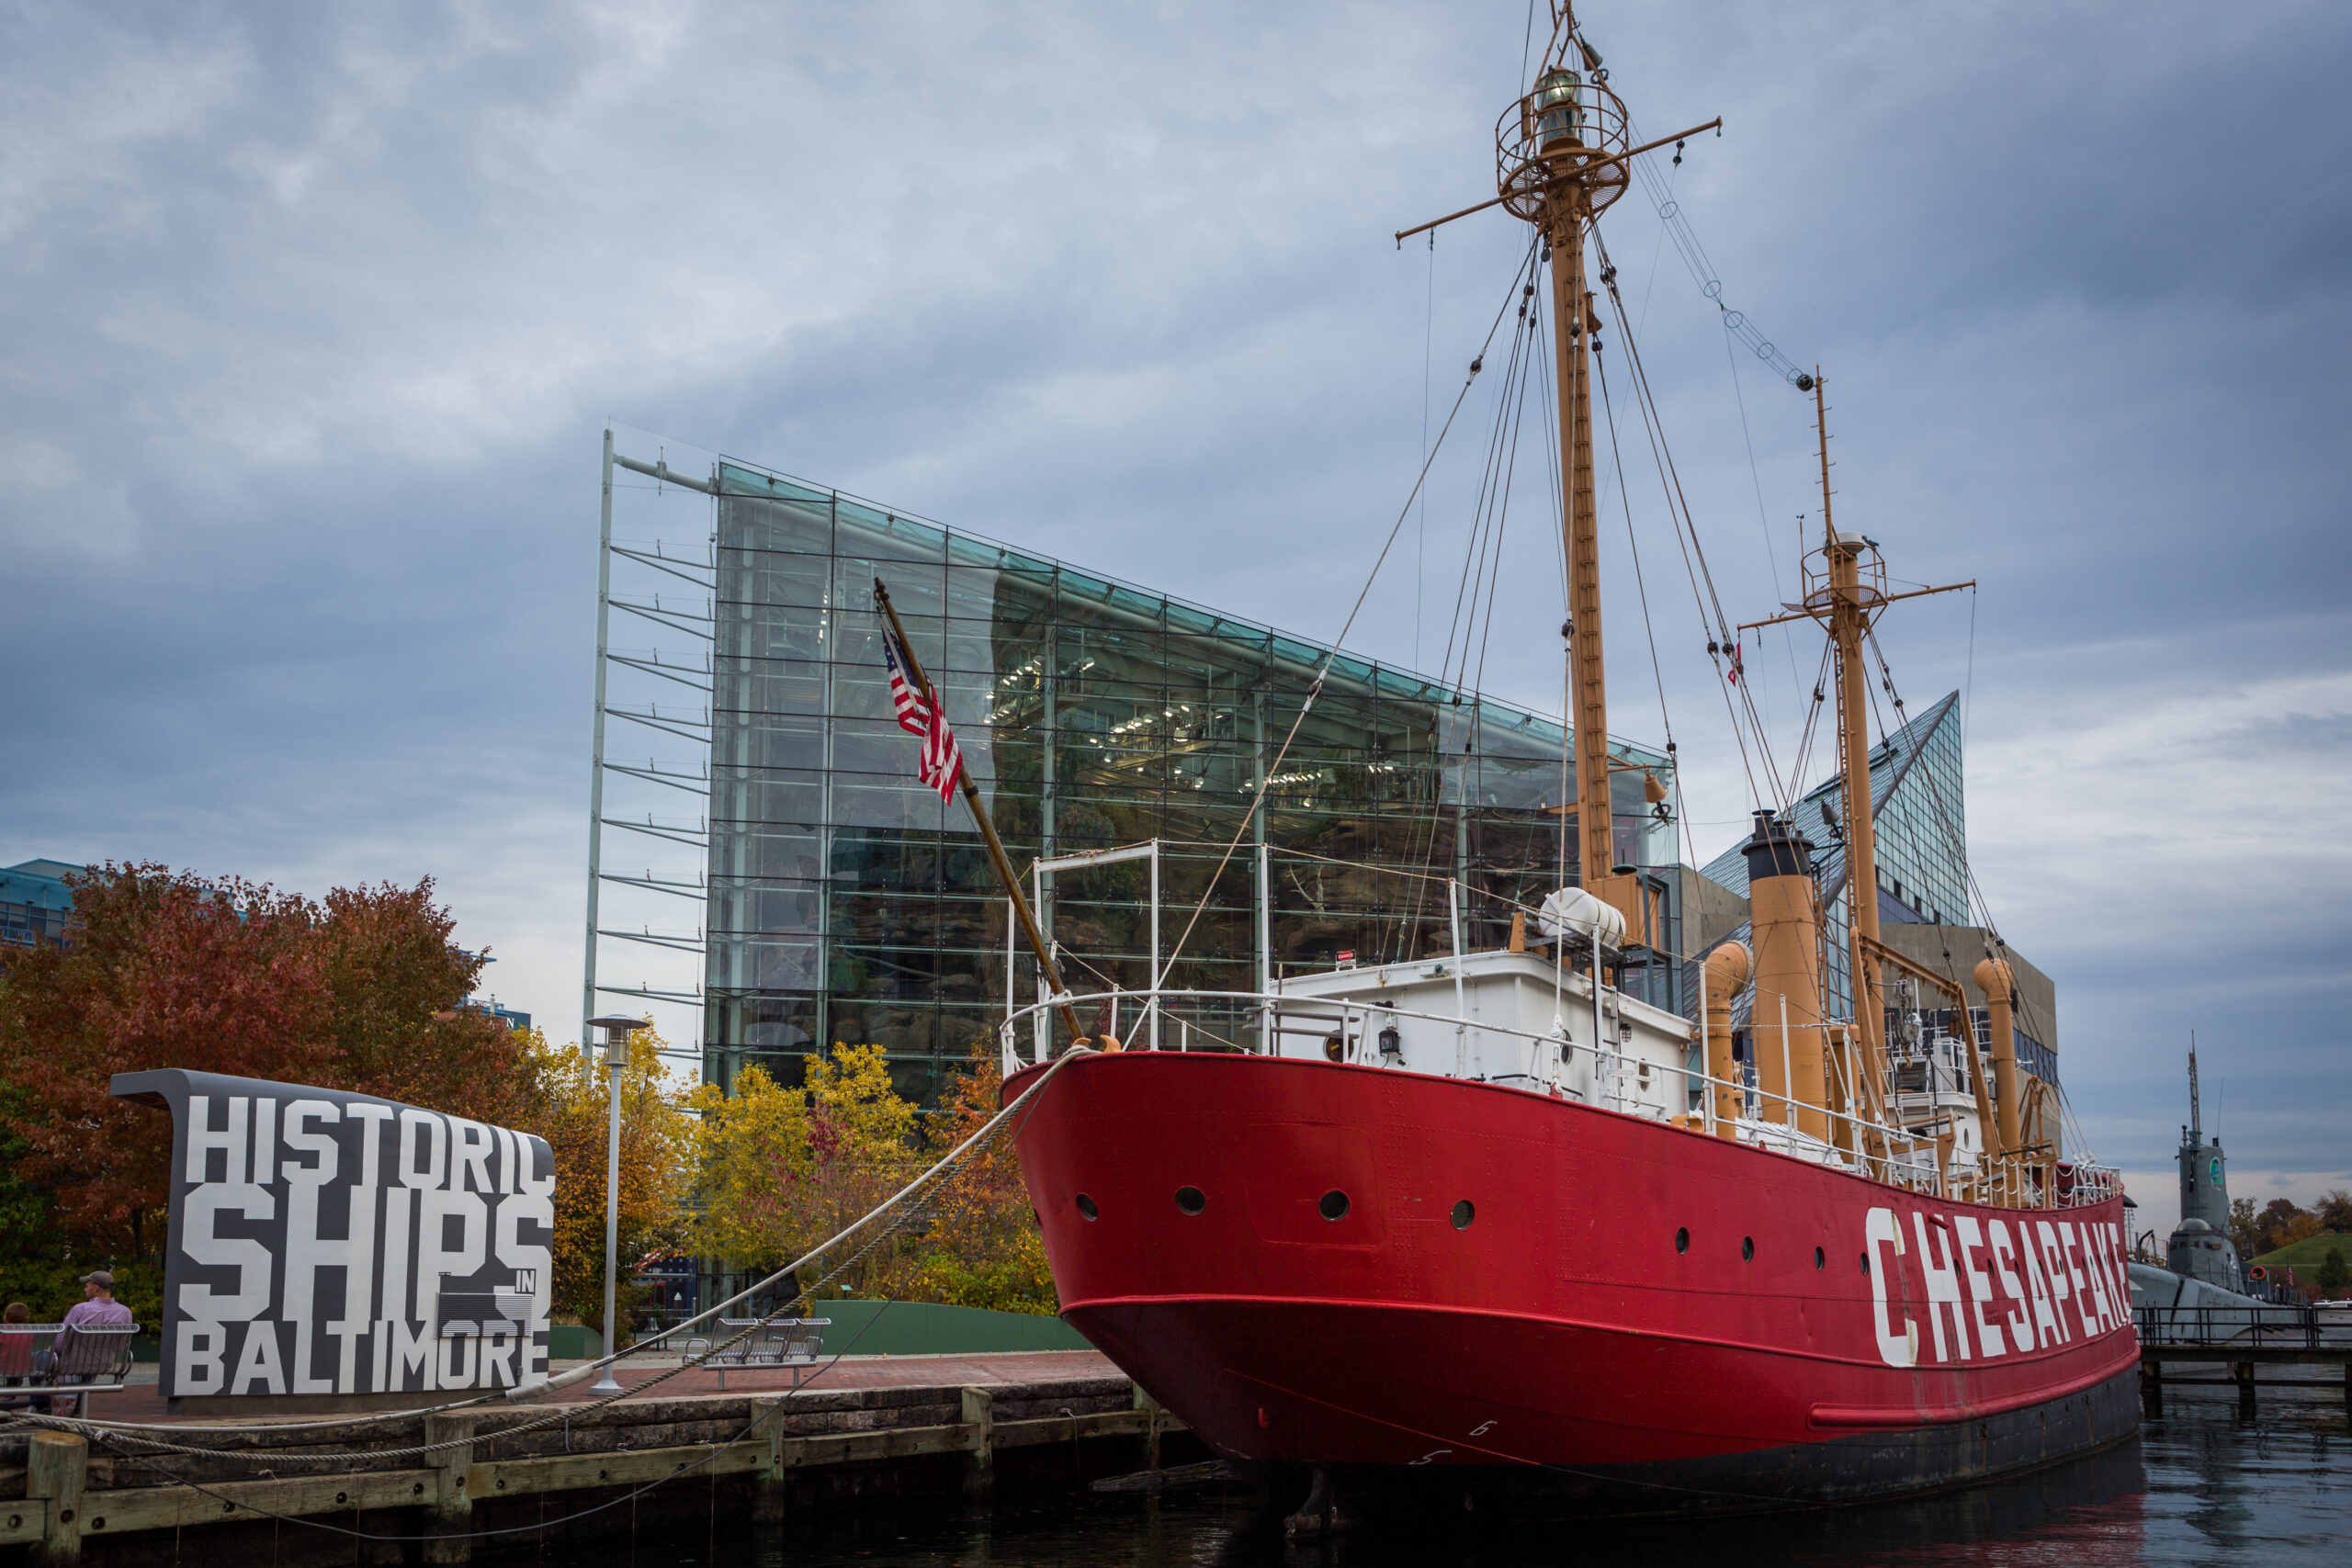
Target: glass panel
[(902, 1028), (873, 800), (757, 961), (1095, 714)]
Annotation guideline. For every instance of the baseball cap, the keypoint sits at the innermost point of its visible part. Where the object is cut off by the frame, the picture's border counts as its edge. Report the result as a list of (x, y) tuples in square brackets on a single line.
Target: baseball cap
[(99, 1278)]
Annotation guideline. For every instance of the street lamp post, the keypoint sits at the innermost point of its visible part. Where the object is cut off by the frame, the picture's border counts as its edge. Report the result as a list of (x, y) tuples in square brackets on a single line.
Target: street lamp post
[(616, 1034)]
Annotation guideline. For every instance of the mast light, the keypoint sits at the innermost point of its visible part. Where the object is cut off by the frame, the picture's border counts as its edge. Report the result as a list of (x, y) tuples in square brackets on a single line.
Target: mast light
[(1559, 110)]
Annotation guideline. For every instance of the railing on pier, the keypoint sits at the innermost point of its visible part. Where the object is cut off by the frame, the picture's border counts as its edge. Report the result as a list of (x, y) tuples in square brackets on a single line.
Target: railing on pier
[(1891, 1155), (2254, 1326)]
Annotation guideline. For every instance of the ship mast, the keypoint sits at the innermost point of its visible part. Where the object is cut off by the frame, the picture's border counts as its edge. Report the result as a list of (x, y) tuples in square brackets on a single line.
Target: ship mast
[(1565, 214), (1847, 604), (1848, 618), (1562, 158), (2195, 1117)]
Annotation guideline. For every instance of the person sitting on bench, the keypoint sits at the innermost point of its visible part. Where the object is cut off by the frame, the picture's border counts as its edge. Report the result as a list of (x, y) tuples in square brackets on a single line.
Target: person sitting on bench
[(98, 1306), (16, 1346)]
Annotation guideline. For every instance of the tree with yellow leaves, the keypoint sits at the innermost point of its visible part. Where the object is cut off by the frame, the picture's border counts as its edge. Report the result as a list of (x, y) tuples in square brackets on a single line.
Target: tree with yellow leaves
[(779, 1171), (752, 1158), (657, 1147)]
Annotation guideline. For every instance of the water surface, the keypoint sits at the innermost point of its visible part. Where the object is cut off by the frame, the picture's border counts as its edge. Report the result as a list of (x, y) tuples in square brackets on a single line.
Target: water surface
[(2199, 1486)]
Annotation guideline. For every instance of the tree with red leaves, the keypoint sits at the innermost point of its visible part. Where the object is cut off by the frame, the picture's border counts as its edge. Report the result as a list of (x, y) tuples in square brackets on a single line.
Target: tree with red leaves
[(165, 969), (984, 1247)]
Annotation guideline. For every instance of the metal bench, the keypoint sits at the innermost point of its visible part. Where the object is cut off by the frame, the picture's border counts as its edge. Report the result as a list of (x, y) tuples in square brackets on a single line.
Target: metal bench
[(794, 1342), (44, 1360)]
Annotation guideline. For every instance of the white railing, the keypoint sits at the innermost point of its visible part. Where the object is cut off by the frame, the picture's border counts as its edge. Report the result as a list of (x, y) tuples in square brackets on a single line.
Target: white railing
[(1891, 1155)]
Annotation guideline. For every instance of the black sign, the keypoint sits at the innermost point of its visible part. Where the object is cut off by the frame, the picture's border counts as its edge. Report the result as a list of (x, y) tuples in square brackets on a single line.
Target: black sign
[(329, 1242)]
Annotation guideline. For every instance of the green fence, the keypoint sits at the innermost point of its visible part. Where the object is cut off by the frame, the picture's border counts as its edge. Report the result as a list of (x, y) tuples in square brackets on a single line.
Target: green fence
[(889, 1329), (924, 1328)]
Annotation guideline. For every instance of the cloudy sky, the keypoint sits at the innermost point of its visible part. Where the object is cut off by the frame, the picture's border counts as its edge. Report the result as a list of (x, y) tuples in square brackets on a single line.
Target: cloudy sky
[(315, 315)]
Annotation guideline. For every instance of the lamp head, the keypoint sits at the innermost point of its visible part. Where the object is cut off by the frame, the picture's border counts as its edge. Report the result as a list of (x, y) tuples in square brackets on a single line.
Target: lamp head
[(1556, 109), (617, 1032)]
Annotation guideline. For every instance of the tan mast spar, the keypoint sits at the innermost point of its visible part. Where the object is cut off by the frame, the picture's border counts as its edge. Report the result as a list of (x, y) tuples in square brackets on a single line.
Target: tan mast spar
[(1567, 209), (988, 829), (1846, 619), (1561, 158), (1847, 605)]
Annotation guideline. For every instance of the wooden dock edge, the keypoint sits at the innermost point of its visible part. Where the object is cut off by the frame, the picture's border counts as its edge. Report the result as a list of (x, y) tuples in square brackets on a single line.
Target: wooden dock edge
[(2240, 1361), (58, 1514)]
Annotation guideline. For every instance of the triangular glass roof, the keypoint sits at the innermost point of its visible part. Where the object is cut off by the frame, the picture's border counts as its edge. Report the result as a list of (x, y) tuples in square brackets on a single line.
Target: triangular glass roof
[(1918, 805), (1934, 736)]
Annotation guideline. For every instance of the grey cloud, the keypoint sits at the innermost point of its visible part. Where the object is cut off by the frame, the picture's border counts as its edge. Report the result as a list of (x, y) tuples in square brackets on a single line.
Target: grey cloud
[(315, 313)]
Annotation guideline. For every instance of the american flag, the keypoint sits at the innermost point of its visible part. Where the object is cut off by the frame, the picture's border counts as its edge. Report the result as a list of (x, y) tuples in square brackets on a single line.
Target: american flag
[(941, 764)]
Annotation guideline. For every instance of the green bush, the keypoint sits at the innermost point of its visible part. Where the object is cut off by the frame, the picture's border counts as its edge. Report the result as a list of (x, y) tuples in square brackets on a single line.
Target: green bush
[(2334, 1272)]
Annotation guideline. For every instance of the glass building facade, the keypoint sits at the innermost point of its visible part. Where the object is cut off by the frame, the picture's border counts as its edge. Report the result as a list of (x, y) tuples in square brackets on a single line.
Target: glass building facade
[(848, 904), (35, 902)]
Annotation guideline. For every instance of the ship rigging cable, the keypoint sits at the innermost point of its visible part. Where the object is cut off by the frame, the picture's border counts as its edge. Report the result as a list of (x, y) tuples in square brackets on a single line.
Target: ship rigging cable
[(1755, 482), (909, 1201), (1634, 549), (1703, 271), (1482, 553), (1524, 362), (1721, 636), (1995, 947), (1673, 225), (1315, 687), (1678, 509), (1489, 511)]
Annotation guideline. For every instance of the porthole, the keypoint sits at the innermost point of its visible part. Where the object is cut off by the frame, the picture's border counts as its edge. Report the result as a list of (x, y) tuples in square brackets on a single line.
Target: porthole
[(1866, 1262), (1682, 1239), (1334, 1205), (1463, 1215), (1820, 1259), (1086, 1205), (1334, 1046), (1191, 1200), (1748, 1249)]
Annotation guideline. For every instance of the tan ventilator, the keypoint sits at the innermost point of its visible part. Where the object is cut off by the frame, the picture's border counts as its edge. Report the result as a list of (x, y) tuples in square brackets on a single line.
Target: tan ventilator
[(1999, 982), (1729, 968), (1784, 1031)]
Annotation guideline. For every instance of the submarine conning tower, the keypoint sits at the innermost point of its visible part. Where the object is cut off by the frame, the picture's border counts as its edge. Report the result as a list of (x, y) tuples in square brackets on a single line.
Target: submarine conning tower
[(2200, 1247)]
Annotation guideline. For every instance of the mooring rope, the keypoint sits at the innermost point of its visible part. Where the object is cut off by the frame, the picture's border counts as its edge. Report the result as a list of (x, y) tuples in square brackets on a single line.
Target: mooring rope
[(928, 1180)]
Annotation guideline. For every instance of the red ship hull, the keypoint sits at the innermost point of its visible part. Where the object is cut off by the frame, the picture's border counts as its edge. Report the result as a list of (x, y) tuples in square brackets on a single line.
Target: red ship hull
[(1526, 1295)]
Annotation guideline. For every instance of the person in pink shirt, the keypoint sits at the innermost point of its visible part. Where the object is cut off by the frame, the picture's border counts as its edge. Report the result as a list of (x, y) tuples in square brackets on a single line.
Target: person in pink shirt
[(97, 1307), (97, 1304)]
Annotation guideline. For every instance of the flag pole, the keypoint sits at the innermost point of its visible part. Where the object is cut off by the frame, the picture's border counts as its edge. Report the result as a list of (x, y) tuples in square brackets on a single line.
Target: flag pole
[(988, 829)]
